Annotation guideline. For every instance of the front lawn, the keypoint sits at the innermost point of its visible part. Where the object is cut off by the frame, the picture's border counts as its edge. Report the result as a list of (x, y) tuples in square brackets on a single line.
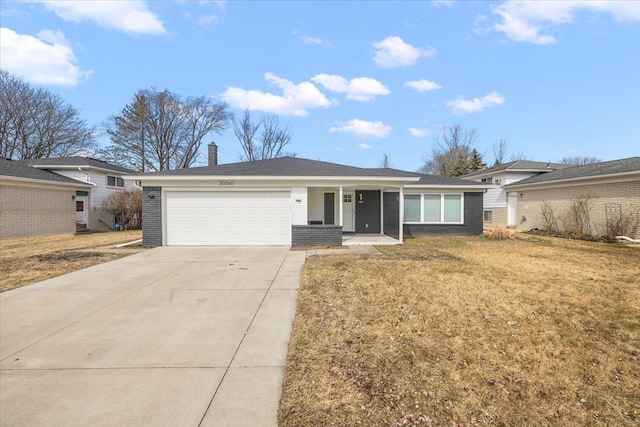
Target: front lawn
[(26, 260), (468, 331)]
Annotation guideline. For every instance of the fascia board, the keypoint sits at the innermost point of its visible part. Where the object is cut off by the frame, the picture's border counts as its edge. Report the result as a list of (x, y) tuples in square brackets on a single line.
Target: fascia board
[(297, 179), (584, 180), (77, 167), (44, 181)]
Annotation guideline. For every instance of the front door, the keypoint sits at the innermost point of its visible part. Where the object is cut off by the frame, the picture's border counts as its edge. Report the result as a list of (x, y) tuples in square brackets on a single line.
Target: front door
[(348, 212), (81, 209), (512, 209)]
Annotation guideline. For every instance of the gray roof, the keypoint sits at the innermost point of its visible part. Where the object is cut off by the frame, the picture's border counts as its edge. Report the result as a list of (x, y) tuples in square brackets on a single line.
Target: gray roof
[(295, 166), (18, 169), (77, 161), (520, 165), (612, 167), (282, 166)]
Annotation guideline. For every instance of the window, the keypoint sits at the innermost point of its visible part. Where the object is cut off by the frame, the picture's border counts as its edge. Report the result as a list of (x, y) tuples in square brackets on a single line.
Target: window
[(487, 180), (433, 208), (79, 205), (115, 181), (346, 198), (487, 216)]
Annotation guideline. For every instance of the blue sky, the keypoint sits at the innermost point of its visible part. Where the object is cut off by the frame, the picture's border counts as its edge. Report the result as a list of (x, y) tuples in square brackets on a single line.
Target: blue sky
[(355, 80)]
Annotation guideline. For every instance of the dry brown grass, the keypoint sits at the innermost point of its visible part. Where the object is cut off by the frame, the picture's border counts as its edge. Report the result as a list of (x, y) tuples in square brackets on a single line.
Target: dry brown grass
[(30, 259), (500, 233), (468, 331)]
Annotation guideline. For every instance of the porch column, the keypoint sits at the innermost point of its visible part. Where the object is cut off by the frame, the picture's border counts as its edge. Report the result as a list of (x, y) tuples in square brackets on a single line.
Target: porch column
[(340, 207), (381, 211), (401, 219)]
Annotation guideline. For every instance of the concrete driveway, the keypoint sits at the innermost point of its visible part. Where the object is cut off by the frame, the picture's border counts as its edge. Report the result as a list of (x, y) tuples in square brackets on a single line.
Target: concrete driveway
[(170, 336)]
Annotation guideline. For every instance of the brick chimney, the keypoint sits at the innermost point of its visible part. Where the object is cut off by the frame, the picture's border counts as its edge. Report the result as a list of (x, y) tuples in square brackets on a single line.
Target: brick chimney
[(213, 154)]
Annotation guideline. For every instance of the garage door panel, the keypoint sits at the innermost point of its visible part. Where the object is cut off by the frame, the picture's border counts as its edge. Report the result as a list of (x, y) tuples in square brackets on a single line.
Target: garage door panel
[(228, 218)]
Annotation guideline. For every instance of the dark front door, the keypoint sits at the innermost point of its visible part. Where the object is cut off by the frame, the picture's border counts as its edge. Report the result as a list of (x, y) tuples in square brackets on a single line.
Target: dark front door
[(329, 209), (367, 211)]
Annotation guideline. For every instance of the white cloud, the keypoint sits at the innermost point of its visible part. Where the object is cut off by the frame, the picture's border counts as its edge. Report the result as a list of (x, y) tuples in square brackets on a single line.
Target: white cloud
[(46, 59), (206, 20), (364, 146), (312, 40), (419, 132), (422, 85), (295, 100), (467, 106), (133, 17), (358, 89), (393, 52), (438, 3), (528, 21), (363, 128)]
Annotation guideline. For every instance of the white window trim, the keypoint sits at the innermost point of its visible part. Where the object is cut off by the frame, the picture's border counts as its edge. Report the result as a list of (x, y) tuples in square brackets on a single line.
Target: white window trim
[(441, 208), (490, 221)]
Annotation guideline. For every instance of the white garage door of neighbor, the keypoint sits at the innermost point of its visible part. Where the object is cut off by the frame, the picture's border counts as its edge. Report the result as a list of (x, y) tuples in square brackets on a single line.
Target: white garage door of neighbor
[(228, 218)]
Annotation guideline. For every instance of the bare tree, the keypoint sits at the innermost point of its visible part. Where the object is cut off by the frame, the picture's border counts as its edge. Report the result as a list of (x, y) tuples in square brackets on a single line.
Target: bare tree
[(499, 152), (519, 155), (36, 123), (580, 160), (162, 130), (271, 141), (385, 162), (453, 147)]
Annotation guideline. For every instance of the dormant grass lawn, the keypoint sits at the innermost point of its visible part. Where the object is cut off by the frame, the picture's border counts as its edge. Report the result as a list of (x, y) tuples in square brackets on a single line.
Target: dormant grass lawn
[(30, 259), (535, 331)]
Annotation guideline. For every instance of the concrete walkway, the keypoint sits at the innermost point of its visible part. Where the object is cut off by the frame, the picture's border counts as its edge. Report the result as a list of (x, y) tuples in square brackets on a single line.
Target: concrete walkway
[(169, 336)]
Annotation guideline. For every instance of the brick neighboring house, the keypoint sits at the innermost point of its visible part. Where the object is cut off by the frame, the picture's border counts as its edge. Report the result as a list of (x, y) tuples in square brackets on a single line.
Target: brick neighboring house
[(104, 179), (611, 188), (36, 202), (496, 211)]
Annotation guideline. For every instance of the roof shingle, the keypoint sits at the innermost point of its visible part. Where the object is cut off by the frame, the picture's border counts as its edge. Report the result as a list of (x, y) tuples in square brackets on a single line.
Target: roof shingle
[(18, 169), (612, 167)]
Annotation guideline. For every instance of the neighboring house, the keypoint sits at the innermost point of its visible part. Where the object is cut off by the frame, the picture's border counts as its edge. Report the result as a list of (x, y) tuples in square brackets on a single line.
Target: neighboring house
[(496, 203), (104, 178), (609, 189), (36, 202), (299, 202)]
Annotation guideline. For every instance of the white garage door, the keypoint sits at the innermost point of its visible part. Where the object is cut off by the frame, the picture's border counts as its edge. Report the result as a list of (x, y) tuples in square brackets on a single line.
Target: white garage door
[(228, 218)]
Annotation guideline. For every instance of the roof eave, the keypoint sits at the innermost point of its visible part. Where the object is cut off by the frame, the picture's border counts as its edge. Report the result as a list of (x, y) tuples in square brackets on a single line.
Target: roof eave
[(401, 179), (577, 180), (45, 181), (76, 167)]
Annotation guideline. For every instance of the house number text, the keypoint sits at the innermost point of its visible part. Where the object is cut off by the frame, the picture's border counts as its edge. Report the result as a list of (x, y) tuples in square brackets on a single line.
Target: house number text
[(226, 183)]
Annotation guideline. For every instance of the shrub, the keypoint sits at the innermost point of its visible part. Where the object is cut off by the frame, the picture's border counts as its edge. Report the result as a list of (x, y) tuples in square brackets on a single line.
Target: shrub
[(500, 233), (621, 223), (126, 206)]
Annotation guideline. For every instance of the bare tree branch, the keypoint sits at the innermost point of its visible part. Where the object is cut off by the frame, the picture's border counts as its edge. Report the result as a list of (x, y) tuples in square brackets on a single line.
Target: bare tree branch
[(272, 141), (452, 152), (35, 123), (580, 160), (163, 130)]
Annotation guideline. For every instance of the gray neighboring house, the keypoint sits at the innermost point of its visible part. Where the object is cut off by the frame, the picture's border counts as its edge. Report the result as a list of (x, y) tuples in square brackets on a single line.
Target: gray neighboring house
[(612, 188), (36, 202), (104, 179), (299, 202), (499, 209)]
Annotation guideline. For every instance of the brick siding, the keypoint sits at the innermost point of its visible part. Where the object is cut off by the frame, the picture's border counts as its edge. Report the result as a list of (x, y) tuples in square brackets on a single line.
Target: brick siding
[(151, 216), (29, 211), (625, 194), (316, 235)]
